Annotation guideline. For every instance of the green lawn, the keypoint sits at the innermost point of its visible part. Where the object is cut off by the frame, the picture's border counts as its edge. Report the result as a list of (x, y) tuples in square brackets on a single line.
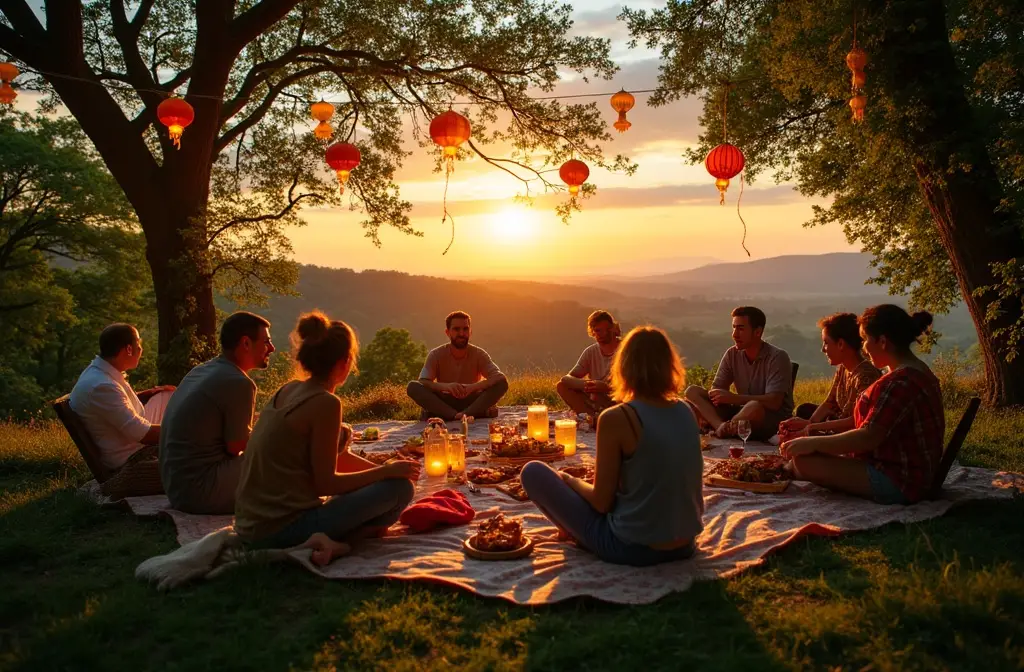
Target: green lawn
[(946, 594)]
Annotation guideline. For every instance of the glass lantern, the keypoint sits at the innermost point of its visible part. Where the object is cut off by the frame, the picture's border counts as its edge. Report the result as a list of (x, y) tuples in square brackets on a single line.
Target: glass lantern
[(537, 421), (456, 458), (435, 451), (565, 435)]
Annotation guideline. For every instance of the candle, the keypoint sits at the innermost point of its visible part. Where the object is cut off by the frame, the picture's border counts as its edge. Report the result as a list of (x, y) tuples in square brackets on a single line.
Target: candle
[(565, 435), (456, 458), (537, 421), (435, 452), (436, 468)]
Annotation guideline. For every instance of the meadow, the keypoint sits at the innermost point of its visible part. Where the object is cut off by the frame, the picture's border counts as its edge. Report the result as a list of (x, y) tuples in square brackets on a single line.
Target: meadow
[(945, 594)]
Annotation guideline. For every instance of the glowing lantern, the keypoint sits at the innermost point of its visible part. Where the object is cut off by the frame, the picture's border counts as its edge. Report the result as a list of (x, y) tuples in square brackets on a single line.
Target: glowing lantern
[(856, 59), (857, 80), (724, 163), (322, 112), (857, 104), (574, 173), (8, 71), (449, 130), (343, 157), (622, 102), (175, 114)]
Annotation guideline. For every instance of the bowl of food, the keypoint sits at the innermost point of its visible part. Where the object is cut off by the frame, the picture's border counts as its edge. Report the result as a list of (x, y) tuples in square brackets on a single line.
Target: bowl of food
[(498, 538)]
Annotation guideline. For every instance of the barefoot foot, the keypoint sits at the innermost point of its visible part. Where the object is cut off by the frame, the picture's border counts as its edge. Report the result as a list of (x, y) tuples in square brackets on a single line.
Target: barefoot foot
[(325, 549)]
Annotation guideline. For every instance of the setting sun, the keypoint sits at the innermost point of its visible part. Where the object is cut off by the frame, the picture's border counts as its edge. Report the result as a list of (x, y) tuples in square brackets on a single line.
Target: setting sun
[(515, 224)]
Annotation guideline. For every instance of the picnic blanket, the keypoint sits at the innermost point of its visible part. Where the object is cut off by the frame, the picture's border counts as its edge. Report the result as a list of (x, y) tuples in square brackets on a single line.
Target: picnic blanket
[(741, 529)]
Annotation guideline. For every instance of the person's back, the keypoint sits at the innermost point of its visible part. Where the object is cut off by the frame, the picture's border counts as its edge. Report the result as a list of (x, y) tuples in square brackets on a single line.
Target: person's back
[(212, 406), (276, 485), (661, 492)]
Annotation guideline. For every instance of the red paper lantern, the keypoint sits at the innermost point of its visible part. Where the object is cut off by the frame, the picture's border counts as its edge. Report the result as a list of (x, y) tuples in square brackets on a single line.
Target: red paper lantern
[(856, 59), (8, 71), (574, 173), (724, 163), (857, 104), (622, 102), (449, 130), (343, 158), (175, 114)]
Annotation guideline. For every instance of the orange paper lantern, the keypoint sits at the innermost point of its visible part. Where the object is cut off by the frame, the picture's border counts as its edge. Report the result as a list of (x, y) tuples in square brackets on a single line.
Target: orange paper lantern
[(449, 130), (724, 162), (574, 173), (8, 71), (857, 104), (622, 102), (322, 112), (857, 80), (175, 114), (343, 158), (856, 59)]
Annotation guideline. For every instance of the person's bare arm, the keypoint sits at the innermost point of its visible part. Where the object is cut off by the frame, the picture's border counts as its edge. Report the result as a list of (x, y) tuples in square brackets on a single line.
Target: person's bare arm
[(855, 442)]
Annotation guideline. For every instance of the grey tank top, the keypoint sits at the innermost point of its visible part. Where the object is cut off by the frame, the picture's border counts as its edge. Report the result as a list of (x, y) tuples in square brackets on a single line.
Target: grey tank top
[(661, 485)]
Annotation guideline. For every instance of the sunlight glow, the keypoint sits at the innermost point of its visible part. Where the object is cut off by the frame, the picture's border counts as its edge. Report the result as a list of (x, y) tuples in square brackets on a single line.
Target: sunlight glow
[(515, 224)]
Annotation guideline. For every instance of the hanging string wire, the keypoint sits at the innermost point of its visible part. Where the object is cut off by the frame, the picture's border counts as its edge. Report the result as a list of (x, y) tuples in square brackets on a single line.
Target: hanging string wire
[(743, 242), (446, 215)]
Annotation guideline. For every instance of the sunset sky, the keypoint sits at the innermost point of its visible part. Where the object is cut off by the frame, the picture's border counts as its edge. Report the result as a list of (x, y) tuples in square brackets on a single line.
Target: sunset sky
[(666, 217)]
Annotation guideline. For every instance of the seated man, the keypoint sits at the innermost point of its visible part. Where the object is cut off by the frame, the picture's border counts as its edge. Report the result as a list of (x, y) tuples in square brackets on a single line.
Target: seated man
[(112, 412), (763, 377), (585, 389), (207, 422), (458, 378)]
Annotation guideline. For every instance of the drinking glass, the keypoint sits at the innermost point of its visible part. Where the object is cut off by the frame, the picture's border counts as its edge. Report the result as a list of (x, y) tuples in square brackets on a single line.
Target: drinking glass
[(743, 429)]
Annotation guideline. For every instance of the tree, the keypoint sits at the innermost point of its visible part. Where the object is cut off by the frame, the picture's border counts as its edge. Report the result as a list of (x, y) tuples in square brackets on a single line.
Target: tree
[(391, 357), (930, 182), (65, 227), (214, 212)]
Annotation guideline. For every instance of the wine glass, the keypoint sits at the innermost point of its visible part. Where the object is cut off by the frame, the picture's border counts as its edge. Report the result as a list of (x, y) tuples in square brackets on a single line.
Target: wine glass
[(743, 429)]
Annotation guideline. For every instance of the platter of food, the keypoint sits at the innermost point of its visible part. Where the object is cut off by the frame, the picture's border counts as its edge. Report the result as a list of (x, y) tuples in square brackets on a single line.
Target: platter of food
[(514, 489), (381, 457), (413, 446), (757, 473), (491, 476), (521, 450), (368, 435), (584, 471), (498, 538)]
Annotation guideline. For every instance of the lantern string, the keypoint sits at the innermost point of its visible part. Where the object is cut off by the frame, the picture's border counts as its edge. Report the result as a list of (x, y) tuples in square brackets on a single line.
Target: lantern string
[(743, 242), (444, 205)]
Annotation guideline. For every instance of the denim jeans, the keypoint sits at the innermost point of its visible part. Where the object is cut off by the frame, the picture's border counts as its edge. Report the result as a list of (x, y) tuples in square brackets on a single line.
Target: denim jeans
[(591, 530), (883, 490), (376, 505)]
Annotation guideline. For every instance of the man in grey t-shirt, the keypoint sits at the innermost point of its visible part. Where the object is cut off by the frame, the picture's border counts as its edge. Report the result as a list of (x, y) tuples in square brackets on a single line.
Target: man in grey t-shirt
[(208, 419), (586, 388), (762, 374), (458, 378)]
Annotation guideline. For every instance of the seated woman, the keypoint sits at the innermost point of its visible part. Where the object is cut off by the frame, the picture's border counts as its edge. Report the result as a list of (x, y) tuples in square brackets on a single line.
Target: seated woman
[(841, 342), (294, 457), (647, 500), (892, 454)]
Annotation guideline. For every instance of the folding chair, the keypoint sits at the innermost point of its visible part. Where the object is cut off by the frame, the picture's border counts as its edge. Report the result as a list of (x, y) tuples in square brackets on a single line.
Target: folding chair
[(953, 447)]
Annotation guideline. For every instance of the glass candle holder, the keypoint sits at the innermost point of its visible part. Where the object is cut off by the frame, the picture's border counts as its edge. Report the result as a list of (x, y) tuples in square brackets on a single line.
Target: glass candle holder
[(537, 421), (565, 435), (456, 458), (435, 453)]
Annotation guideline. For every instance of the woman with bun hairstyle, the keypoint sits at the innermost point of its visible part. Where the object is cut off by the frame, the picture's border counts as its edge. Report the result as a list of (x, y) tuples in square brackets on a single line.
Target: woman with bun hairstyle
[(298, 453), (895, 448)]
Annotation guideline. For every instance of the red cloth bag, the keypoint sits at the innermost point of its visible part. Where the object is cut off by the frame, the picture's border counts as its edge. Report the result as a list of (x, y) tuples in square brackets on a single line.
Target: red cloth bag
[(444, 507)]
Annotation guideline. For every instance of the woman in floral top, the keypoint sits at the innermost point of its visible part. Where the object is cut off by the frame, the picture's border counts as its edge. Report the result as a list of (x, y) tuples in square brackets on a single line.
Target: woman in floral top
[(892, 454), (841, 342)]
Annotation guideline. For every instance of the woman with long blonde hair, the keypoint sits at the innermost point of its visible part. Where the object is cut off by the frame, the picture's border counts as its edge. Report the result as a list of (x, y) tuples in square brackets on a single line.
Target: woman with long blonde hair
[(298, 453), (647, 501)]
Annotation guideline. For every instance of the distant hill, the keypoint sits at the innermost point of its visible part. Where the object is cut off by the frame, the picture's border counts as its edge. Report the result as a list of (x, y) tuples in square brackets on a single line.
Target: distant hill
[(840, 273)]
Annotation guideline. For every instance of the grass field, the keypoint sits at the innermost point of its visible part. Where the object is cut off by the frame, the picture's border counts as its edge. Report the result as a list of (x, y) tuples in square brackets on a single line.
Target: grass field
[(946, 594)]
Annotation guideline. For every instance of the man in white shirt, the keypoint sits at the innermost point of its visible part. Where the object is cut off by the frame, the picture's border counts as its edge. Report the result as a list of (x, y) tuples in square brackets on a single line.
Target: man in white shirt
[(117, 420), (586, 388)]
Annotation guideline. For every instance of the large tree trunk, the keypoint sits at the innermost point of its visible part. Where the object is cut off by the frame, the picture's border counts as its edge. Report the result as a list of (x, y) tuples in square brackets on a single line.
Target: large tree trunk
[(958, 179)]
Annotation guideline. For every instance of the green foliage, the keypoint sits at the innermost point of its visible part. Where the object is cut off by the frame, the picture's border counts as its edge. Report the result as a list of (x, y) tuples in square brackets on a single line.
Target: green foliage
[(391, 357), (787, 110), (70, 259), (701, 376)]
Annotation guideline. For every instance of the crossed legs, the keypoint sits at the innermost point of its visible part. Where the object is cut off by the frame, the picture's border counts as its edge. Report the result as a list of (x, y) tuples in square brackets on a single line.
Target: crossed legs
[(724, 427)]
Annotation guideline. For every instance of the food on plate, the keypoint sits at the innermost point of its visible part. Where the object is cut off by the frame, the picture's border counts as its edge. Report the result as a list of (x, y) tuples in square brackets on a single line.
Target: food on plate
[(479, 442), (499, 534), (379, 457), (413, 446), (752, 469), (584, 471), (491, 475), (371, 434), (472, 452), (514, 489), (524, 447)]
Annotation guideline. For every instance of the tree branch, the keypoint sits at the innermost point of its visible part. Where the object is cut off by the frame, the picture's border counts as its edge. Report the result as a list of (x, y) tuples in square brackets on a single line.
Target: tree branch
[(255, 21)]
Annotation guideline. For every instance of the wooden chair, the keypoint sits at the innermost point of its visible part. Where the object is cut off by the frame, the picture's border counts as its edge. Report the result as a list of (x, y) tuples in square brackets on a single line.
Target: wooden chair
[(953, 447), (80, 435)]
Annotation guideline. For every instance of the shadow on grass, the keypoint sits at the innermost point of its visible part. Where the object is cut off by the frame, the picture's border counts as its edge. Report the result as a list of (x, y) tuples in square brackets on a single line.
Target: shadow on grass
[(903, 596)]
